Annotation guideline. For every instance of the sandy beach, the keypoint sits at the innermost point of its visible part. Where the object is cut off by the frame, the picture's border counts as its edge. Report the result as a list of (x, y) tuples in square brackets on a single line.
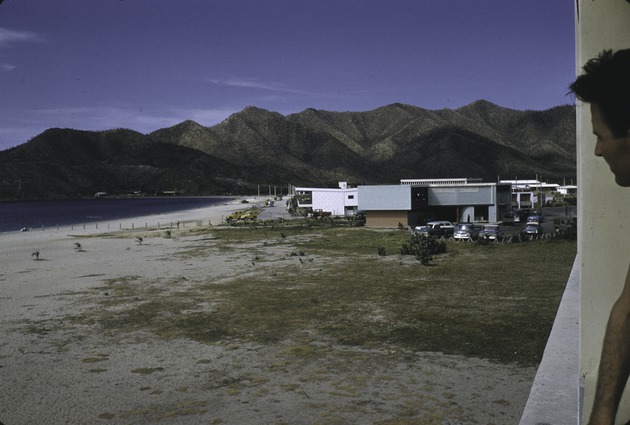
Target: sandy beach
[(54, 369)]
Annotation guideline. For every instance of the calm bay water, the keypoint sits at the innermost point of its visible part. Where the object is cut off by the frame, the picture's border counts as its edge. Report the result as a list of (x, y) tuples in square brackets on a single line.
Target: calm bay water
[(35, 214)]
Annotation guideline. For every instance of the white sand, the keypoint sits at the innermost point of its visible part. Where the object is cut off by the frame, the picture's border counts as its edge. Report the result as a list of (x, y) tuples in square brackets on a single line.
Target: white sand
[(53, 371)]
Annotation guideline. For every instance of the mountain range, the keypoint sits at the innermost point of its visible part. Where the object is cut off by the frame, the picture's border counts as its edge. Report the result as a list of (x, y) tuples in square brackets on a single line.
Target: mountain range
[(256, 147)]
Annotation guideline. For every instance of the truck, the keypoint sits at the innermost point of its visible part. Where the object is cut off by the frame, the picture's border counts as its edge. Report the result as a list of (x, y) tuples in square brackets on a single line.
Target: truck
[(319, 214), (245, 215)]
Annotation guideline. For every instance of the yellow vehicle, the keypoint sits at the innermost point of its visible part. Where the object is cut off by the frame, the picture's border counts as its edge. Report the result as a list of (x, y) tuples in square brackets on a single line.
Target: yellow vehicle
[(319, 214), (246, 215)]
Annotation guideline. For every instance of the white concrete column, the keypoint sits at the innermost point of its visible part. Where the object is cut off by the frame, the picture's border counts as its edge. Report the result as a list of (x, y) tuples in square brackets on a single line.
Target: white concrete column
[(603, 207)]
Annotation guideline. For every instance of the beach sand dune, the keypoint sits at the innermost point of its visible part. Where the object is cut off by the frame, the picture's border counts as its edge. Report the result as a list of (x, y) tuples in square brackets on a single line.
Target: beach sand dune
[(55, 368)]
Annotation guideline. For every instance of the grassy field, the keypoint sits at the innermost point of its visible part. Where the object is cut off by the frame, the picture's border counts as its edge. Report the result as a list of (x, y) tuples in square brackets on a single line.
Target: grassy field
[(329, 284)]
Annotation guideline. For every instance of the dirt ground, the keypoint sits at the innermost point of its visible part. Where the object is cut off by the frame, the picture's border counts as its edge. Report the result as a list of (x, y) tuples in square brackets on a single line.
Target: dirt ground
[(56, 370)]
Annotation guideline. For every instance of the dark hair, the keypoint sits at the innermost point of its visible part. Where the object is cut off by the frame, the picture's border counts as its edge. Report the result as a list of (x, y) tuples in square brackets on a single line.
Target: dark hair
[(606, 82)]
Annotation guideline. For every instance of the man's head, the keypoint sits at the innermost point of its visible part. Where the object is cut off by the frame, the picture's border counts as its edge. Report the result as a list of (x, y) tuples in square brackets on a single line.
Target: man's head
[(605, 84)]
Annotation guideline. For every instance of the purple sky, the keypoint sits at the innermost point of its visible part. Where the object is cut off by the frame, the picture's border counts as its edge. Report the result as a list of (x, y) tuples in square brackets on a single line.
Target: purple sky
[(150, 64)]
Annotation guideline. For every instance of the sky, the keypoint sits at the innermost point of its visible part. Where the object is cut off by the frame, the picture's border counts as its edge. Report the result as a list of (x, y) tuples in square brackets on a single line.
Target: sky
[(151, 64)]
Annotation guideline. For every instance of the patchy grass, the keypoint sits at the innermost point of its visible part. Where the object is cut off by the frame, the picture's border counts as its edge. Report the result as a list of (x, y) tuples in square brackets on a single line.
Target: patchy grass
[(496, 301)]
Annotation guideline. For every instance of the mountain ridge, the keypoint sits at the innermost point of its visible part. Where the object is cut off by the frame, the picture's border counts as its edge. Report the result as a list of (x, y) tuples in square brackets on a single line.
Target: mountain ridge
[(310, 148)]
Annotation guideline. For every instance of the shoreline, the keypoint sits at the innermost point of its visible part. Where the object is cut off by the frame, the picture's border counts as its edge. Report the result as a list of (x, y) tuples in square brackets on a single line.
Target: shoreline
[(210, 215)]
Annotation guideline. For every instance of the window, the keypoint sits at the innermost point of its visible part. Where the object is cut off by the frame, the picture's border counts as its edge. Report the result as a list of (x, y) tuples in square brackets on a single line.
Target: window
[(305, 197)]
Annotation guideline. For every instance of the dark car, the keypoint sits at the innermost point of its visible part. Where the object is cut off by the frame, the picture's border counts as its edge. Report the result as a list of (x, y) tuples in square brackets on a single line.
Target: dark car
[(538, 218), (465, 231), (493, 232), (533, 228), (564, 224), (519, 215)]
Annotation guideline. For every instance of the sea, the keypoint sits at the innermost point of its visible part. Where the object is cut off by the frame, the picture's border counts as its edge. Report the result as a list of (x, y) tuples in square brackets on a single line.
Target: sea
[(15, 215)]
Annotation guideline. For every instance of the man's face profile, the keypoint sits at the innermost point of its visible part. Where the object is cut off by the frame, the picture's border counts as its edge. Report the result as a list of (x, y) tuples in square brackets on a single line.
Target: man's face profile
[(614, 150)]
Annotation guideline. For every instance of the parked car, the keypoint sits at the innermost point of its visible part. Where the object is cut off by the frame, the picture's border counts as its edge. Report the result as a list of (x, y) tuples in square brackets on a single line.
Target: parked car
[(533, 228), (465, 231), (538, 218), (564, 224), (436, 228), (491, 232)]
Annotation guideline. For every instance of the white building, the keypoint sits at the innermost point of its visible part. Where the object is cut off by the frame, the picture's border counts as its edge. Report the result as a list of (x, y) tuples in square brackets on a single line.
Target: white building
[(528, 193), (567, 190), (341, 201)]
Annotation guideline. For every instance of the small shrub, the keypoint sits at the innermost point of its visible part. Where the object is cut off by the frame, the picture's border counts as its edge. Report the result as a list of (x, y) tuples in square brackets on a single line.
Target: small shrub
[(381, 251), (423, 247), (519, 237)]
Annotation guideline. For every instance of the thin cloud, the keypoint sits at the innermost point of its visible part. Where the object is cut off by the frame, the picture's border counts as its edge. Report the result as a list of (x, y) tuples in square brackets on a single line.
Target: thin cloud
[(8, 37), (7, 67), (252, 83)]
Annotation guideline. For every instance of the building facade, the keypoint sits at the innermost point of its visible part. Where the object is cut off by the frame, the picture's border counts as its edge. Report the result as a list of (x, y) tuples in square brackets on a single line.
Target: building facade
[(341, 201), (413, 202)]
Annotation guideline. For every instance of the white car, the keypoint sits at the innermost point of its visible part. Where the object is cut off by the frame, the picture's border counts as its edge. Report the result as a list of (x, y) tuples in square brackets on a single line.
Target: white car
[(436, 228)]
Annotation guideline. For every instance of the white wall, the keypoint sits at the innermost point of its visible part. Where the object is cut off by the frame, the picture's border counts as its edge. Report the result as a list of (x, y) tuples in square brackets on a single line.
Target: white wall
[(334, 201), (602, 206)]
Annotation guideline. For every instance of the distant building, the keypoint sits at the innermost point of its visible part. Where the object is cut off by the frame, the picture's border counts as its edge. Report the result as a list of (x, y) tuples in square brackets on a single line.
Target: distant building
[(527, 194), (569, 190), (438, 182), (341, 201)]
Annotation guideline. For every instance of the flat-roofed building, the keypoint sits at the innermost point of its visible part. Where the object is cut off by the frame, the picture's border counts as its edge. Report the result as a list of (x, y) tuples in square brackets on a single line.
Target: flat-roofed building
[(415, 201), (341, 201)]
